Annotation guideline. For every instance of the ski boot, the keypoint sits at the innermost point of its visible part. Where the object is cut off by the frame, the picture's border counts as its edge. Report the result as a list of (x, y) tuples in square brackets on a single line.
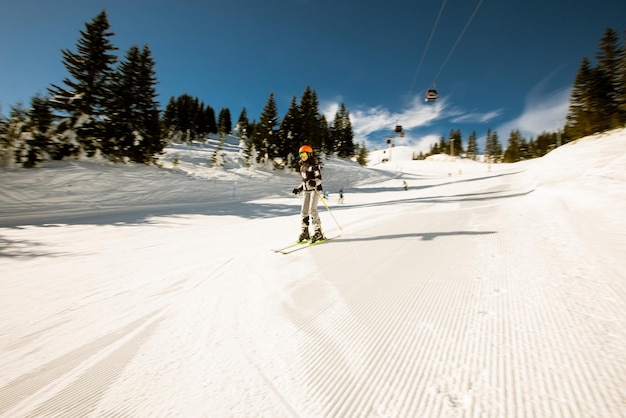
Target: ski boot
[(304, 235), (317, 236)]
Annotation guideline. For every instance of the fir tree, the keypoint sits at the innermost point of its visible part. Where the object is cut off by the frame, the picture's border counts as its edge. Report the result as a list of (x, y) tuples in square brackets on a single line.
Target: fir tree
[(472, 146), (443, 146), (324, 136), (456, 142), (135, 128), (86, 99), (609, 58), (512, 153), (13, 138), (186, 119), (224, 122), (362, 155), (598, 99), (241, 128), (493, 148), (5, 150), (290, 133), (310, 119), (209, 114), (35, 146), (579, 117), (342, 135), (266, 132), (169, 119)]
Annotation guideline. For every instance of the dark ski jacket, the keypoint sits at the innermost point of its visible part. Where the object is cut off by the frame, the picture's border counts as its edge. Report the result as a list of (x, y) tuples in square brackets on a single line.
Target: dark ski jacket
[(310, 170)]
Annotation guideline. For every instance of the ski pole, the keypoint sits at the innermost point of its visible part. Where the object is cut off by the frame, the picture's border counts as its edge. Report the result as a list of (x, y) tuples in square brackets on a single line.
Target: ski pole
[(329, 211)]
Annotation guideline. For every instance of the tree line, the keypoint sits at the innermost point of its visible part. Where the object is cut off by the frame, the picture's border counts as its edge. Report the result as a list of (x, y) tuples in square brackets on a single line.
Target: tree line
[(518, 148), (108, 108), (597, 104), (598, 99)]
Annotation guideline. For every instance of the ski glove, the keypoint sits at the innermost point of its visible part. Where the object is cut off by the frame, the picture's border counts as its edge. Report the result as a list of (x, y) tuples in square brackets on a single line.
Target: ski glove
[(296, 190)]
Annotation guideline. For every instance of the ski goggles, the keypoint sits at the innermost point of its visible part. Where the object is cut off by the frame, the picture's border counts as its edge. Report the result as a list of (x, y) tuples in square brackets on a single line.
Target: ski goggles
[(303, 154)]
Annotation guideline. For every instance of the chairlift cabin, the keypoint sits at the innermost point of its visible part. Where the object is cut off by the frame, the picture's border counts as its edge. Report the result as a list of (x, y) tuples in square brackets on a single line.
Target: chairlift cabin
[(431, 95), (398, 130)]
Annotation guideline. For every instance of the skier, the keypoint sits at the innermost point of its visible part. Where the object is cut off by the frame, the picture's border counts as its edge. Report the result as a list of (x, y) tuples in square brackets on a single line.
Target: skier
[(341, 195), (311, 187)]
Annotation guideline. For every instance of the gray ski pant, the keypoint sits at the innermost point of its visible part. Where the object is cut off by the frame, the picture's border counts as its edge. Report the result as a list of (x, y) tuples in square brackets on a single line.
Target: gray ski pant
[(310, 201)]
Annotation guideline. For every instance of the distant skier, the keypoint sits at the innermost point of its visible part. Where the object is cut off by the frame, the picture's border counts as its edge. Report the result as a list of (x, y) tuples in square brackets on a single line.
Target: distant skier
[(404, 185), (341, 195), (311, 187)]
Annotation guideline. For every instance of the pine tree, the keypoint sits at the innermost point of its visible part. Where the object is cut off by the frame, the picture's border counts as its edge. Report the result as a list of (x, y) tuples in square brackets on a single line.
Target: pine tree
[(443, 146), (512, 153), (472, 146), (456, 142), (324, 136), (342, 135), (224, 122), (241, 128), (310, 119), (5, 149), (621, 99), (134, 128), (493, 148), (36, 144), (598, 99), (609, 59), (362, 155), (187, 119), (13, 138), (265, 138), (579, 117), (86, 99), (211, 121), (290, 133)]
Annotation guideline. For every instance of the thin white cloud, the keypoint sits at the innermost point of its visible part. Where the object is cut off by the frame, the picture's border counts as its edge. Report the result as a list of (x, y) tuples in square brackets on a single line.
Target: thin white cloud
[(544, 111), (368, 121), (477, 117), (373, 125)]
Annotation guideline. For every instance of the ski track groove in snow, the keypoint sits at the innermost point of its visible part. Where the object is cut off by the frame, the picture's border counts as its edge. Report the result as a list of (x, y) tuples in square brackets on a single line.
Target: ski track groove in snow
[(483, 294), (89, 386)]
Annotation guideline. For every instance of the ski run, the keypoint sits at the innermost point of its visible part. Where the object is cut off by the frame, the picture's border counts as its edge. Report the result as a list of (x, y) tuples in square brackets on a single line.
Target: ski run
[(481, 291)]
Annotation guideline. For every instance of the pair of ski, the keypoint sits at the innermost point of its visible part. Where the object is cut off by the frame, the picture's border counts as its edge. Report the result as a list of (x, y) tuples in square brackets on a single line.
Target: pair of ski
[(301, 245)]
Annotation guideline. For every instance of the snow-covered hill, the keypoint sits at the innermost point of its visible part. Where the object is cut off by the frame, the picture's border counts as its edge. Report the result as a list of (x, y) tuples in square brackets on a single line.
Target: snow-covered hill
[(482, 290)]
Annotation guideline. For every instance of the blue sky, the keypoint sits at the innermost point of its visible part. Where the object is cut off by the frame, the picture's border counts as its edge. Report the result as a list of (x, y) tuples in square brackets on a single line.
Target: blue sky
[(512, 68)]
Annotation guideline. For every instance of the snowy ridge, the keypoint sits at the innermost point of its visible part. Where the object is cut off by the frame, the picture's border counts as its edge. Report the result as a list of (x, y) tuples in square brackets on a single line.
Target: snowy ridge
[(481, 291)]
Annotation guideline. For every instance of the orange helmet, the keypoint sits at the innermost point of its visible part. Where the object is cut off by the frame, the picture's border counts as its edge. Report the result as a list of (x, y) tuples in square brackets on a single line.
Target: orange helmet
[(306, 148)]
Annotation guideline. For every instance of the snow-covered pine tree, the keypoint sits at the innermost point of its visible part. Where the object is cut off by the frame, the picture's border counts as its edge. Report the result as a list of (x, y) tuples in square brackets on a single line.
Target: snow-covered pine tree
[(36, 145), (265, 138), (290, 135), (85, 99), (134, 126)]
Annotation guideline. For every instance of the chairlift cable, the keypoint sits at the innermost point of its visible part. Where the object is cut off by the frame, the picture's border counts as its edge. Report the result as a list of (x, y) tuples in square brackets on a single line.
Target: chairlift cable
[(458, 40), (432, 32)]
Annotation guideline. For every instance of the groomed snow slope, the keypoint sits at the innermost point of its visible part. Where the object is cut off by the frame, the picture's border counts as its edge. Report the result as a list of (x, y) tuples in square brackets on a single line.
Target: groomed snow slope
[(482, 291)]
